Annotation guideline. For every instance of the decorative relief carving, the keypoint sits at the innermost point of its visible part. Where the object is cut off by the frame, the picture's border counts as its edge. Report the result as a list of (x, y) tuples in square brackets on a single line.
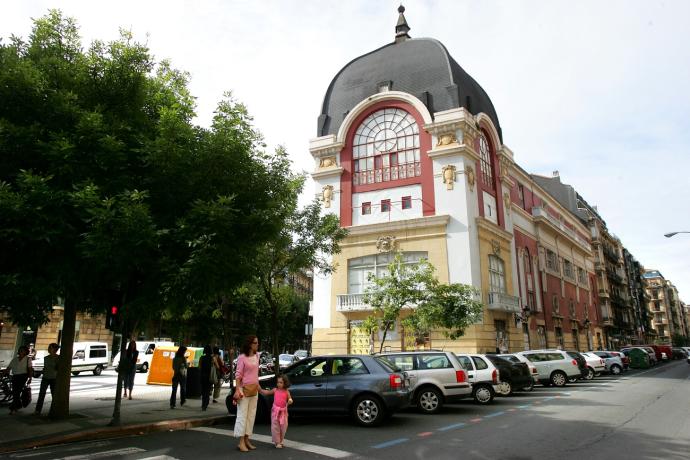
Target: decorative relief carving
[(448, 175), (496, 247), (506, 202), (469, 173), (386, 244), (505, 168), (446, 139), (327, 195), (327, 162)]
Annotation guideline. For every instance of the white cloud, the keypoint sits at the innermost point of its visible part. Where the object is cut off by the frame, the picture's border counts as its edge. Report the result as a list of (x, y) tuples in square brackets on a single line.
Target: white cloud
[(597, 90)]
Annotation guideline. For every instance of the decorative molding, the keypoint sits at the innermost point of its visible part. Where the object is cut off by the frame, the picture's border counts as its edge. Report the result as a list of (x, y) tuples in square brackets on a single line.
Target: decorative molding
[(420, 222), (446, 139), (496, 247), (469, 174), (328, 162), (327, 195), (506, 202), (327, 173), (448, 176), (453, 149), (485, 224), (386, 243)]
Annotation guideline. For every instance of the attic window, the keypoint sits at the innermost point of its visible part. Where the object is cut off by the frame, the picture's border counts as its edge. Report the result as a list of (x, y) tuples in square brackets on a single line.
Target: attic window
[(384, 86)]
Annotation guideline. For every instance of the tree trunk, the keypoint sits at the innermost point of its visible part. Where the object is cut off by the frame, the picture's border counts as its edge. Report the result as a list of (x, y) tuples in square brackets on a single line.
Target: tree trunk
[(383, 339), (59, 408), (274, 338), (115, 421)]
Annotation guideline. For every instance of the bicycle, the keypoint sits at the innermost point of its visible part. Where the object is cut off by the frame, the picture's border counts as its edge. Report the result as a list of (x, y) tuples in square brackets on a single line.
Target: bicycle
[(5, 390)]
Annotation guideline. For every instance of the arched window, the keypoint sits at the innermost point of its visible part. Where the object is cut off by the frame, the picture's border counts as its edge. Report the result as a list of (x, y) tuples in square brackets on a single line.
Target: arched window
[(485, 161), (497, 277), (386, 148)]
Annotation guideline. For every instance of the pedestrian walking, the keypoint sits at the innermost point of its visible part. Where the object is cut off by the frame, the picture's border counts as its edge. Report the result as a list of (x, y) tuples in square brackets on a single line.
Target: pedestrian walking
[(246, 392), (217, 373), (50, 366), (130, 367), (179, 365), (22, 371), (279, 413), (205, 366)]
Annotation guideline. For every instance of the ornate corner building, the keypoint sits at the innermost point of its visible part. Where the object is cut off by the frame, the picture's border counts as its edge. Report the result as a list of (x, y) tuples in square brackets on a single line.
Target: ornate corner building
[(411, 157)]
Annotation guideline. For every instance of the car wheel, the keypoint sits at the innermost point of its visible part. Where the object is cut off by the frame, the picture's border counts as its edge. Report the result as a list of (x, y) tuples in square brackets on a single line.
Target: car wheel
[(75, 373), (145, 368), (616, 369), (590, 373), (368, 411), (429, 400), (97, 370), (483, 394), (558, 379), (529, 387), (504, 389)]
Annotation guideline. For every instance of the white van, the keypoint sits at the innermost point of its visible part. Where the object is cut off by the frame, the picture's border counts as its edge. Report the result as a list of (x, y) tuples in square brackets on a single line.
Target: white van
[(88, 356), (145, 354)]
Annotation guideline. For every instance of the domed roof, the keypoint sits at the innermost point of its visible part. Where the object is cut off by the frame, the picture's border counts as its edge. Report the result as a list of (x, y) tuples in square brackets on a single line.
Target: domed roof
[(421, 67)]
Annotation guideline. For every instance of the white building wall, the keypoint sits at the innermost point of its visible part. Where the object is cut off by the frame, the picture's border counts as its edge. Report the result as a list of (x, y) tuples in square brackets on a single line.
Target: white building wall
[(395, 196)]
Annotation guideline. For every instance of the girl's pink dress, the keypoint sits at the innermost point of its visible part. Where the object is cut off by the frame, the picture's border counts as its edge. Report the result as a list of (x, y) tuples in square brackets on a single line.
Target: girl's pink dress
[(279, 415)]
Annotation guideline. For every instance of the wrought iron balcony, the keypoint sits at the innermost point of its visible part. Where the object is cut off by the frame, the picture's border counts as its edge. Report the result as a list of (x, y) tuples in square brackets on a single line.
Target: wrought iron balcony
[(500, 301), (351, 302)]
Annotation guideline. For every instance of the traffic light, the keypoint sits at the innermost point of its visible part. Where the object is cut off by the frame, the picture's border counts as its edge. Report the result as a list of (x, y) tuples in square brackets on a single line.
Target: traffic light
[(112, 318)]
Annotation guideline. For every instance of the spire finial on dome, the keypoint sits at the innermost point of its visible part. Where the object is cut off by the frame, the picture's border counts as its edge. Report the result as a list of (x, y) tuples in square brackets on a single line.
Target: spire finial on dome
[(401, 28)]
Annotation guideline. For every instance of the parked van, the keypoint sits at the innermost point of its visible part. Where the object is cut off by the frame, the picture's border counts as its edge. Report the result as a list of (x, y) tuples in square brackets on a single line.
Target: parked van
[(88, 356), (145, 354)]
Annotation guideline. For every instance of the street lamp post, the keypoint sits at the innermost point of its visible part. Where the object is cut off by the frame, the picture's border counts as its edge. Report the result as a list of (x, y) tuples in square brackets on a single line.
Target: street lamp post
[(669, 235)]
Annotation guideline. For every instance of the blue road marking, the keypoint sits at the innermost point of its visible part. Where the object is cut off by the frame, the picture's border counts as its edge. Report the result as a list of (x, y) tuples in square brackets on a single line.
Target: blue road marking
[(453, 426), (383, 445), (495, 414)]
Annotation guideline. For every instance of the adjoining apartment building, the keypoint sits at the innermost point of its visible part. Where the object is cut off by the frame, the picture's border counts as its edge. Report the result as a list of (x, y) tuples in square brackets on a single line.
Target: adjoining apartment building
[(664, 306), (410, 155)]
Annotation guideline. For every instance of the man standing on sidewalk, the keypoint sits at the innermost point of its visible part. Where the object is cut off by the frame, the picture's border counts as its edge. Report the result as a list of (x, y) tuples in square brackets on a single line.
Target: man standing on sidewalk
[(50, 363)]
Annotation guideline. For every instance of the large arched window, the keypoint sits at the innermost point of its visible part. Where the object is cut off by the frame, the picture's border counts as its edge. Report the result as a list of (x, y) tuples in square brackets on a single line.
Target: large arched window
[(386, 148), (485, 160)]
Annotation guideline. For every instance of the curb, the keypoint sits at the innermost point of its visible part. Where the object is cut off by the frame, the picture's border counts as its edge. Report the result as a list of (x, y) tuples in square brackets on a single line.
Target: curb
[(114, 432)]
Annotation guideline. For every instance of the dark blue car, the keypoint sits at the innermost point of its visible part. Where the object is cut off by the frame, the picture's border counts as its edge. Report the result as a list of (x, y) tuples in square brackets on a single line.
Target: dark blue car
[(369, 388)]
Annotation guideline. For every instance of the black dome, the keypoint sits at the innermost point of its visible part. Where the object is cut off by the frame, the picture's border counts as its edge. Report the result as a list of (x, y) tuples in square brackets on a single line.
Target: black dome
[(421, 67)]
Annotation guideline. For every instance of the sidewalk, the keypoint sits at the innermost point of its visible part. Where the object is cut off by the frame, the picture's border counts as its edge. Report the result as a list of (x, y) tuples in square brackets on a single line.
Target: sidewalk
[(91, 411)]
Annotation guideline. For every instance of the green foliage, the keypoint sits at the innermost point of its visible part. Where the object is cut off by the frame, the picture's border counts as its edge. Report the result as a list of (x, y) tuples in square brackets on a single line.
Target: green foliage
[(413, 287), (679, 340)]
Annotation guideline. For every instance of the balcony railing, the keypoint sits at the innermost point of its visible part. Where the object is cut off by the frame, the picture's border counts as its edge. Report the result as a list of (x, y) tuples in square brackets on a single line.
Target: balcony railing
[(351, 302), (538, 211), (504, 302)]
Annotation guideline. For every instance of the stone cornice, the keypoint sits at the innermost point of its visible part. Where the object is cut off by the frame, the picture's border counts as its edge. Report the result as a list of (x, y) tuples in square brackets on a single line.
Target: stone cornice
[(451, 150), (328, 172), (419, 222), (325, 146), (490, 227)]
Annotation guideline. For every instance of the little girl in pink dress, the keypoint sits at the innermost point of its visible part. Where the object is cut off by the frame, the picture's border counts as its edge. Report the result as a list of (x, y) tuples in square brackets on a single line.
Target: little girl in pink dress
[(279, 413)]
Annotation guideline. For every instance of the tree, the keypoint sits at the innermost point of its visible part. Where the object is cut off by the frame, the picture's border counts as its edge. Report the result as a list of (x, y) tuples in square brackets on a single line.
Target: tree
[(306, 242), (431, 303)]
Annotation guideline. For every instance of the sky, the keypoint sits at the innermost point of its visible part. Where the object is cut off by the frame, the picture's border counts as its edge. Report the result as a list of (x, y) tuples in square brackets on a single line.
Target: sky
[(598, 91)]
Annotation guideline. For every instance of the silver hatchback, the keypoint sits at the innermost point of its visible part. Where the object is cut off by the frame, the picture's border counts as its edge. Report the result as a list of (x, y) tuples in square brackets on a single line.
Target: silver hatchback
[(554, 367), (435, 377)]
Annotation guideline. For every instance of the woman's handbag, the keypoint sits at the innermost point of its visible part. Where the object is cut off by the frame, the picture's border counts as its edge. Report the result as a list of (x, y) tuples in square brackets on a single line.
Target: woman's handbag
[(26, 396), (214, 375), (251, 389)]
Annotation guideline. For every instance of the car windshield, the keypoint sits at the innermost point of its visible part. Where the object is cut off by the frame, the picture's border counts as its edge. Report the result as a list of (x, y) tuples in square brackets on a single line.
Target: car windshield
[(513, 359), (387, 364), (285, 357)]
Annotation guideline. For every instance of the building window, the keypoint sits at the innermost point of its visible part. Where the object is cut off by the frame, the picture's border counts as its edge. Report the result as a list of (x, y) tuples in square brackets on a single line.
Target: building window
[(541, 336), (385, 205), (359, 269), (559, 336), (366, 208), (521, 195), (530, 301), (497, 278), (552, 261), (386, 148), (568, 271), (571, 309), (485, 161), (581, 276), (554, 304), (407, 202), (576, 339)]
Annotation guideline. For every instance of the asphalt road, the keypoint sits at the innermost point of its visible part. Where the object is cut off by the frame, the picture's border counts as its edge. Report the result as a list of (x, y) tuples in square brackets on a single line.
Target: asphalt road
[(639, 415)]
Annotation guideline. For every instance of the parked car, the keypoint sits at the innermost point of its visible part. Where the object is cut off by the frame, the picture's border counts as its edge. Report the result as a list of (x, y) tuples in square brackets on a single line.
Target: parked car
[(662, 352), (482, 374), (511, 376), (515, 358), (145, 350), (581, 363), (595, 364), (613, 363), (286, 360), (436, 377), (650, 352), (301, 354), (554, 367), (679, 353), (88, 356), (369, 388)]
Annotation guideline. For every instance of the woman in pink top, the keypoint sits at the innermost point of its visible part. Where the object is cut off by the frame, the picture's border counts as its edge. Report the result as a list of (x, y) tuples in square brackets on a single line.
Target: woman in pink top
[(246, 381), (279, 413)]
